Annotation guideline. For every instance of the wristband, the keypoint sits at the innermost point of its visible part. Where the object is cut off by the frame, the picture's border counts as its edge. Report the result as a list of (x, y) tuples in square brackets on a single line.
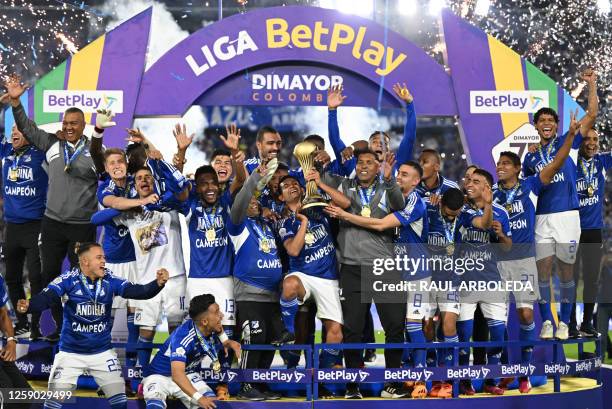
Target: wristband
[(98, 133), (196, 396), (223, 337), (11, 339)]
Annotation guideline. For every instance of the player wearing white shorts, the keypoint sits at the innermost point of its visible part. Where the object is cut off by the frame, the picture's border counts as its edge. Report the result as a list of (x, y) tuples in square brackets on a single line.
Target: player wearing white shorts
[(117, 192), (155, 232), (313, 271), (211, 252), (557, 230), (443, 296), (85, 343), (520, 197), (480, 224), (175, 369), (411, 242)]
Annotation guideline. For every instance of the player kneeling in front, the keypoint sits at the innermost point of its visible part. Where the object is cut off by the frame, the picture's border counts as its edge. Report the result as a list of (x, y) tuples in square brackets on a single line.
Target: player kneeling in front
[(85, 344), (175, 369)]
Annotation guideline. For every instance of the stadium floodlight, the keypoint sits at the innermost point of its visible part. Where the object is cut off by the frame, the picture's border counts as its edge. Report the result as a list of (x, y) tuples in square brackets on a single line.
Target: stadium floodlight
[(482, 7), (364, 8), (407, 7), (436, 6), (603, 6)]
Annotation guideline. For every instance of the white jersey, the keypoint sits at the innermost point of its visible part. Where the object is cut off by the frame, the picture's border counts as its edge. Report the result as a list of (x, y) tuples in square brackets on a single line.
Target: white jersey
[(157, 242)]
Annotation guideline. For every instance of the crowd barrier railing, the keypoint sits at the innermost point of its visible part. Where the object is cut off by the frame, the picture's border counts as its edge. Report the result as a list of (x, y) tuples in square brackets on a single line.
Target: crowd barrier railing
[(311, 375)]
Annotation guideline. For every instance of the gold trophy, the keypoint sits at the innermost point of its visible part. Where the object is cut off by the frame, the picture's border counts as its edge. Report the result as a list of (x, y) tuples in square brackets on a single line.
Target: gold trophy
[(304, 153)]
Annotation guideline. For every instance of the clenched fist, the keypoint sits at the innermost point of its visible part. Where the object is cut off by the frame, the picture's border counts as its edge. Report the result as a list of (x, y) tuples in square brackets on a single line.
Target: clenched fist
[(162, 277), (22, 306)]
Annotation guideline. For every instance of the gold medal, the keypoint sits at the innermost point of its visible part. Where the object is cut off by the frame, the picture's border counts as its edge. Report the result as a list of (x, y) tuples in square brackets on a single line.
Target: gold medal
[(590, 190), (216, 366), (366, 211), (13, 175), (309, 238), (67, 169), (450, 249), (508, 207), (265, 246), (211, 234)]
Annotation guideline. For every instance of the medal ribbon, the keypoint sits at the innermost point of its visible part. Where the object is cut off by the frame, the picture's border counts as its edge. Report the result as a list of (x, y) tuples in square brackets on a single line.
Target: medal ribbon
[(549, 148), (367, 194), (261, 234), (18, 156), (208, 347), (209, 221), (510, 194), (78, 149), (449, 233), (86, 288), (589, 172)]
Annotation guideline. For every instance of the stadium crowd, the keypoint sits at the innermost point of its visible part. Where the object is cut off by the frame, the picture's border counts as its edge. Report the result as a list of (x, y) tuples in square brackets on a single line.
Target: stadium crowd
[(271, 245)]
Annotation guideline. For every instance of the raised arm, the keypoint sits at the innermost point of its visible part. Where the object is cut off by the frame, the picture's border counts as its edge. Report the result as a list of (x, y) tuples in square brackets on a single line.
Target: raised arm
[(547, 174), (406, 147), (240, 172), (334, 100), (394, 193), (241, 203), (232, 143), (485, 221), (36, 136), (590, 76), (183, 141)]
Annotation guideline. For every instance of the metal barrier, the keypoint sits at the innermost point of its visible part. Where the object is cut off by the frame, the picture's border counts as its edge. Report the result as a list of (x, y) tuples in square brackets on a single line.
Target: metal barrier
[(311, 375)]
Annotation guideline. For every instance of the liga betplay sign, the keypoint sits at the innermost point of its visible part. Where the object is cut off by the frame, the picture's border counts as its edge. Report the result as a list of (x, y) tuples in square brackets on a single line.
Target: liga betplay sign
[(289, 56)]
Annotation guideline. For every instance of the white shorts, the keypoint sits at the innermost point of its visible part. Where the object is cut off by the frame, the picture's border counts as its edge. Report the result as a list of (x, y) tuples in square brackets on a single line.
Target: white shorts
[(223, 290), (68, 366), (326, 294), (525, 271), (127, 271), (170, 301), (558, 234), (160, 387), (418, 306), (445, 301), (492, 310)]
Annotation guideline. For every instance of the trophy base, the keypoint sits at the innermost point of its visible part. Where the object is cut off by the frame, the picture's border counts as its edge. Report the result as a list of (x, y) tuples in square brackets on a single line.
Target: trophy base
[(317, 203)]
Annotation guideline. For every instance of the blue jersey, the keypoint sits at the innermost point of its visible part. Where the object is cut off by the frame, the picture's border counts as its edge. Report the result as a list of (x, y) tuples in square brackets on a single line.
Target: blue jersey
[(591, 207), (318, 256), (476, 243), (117, 244), (560, 195), (183, 345), (253, 163), (256, 258), (25, 183), (403, 152), (443, 185), (520, 202), (438, 242), (412, 240), (4, 299), (211, 254), (87, 318)]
